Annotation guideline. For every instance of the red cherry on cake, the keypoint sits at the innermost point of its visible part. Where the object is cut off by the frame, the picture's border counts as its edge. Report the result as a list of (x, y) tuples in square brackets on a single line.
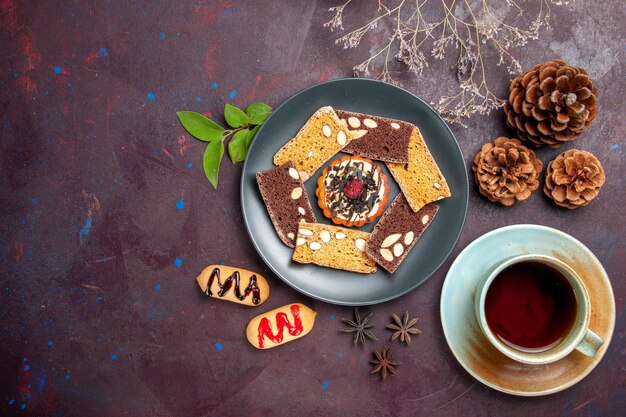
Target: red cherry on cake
[(352, 189)]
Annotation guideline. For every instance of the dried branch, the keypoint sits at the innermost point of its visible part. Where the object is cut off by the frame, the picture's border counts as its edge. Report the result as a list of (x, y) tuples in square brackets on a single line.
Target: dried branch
[(465, 25)]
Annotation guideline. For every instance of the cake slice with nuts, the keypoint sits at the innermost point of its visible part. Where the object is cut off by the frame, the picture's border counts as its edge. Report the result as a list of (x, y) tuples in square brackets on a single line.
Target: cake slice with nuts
[(333, 247), (420, 180), (286, 200), (382, 138), (397, 231), (321, 137)]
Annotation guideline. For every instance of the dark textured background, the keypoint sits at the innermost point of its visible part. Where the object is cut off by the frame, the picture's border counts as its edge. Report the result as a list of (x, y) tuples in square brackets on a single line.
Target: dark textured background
[(106, 216)]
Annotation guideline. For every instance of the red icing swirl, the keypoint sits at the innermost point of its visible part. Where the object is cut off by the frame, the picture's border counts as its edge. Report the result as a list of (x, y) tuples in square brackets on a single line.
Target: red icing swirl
[(265, 326)]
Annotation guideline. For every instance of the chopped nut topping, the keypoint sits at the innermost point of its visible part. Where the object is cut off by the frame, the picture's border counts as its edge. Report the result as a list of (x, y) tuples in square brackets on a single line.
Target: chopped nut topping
[(315, 246), (294, 173), (370, 123), (386, 254), (390, 240), (341, 137), (296, 193), (354, 122)]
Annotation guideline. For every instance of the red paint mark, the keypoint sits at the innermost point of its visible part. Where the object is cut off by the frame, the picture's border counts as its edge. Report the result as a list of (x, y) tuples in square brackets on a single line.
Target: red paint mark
[(207, 14), (254, 88), (65, 110), (91, 56), (185, 144), (208, 114), (325, 72), (209, 61), (165, 151), (62, 141), (26, 84), (19, 250), (32, 57), (10, 16)]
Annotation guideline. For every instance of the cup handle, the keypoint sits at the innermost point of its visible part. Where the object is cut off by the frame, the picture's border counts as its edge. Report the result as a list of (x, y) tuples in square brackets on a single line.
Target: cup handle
[(590, 344)]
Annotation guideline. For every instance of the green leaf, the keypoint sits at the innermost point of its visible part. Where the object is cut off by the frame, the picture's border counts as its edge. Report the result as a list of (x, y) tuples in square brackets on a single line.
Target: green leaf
[(238, 146), (199, 126), (252, 135), (211, 160), (234, 116), (258, 112)]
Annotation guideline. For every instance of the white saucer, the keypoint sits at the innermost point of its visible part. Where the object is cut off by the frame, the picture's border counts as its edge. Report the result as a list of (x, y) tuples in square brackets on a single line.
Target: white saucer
[(470, 346)]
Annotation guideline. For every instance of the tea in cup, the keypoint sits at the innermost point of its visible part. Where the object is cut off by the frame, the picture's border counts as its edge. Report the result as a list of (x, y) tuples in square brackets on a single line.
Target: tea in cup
[(535, 309)]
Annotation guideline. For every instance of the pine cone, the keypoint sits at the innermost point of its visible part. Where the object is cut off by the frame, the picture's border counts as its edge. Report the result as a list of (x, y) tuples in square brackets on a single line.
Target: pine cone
[(506, 171), (551, 104), (574, 178)]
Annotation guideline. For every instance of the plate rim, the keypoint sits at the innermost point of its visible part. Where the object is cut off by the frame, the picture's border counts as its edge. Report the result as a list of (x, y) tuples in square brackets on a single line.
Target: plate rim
[(605, 279), (391, 297)]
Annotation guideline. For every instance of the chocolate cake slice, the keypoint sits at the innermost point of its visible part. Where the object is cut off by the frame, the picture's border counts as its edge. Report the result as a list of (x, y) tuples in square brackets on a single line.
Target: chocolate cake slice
[(286, 200), (397, 231), (382, 138)]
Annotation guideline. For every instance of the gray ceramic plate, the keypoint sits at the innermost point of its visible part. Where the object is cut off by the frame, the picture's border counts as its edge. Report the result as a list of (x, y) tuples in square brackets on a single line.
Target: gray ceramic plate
[(341, 287)]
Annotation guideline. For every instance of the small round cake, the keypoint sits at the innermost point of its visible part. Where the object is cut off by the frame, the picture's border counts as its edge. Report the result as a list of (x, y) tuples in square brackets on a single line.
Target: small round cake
[(352, 191)]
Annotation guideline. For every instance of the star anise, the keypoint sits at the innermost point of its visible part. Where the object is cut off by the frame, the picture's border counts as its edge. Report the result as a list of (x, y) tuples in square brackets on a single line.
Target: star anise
[(384, 363), (403, 328), (359, 327)]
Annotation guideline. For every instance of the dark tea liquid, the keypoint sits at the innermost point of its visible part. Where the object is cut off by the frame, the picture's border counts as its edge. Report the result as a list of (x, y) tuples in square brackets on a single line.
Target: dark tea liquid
[(530, 306)]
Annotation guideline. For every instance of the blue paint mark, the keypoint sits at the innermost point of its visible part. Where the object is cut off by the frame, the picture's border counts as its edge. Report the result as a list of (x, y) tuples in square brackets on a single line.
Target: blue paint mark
[(72, 13), (99, 340), (227, 11), (189, 165), (69, 85), (84, 231), (25, 360), (332, 317), (113, 356), (15, 75), (99, 298), (150, 96), (42, 382), (198, 99), (232, 94), (26, 368), (616, 148), (162, 35), (325, 384), (11, 401), (340, 355), (178, 262), (67, 376), (58, 70), (214, 85), (23, 406), (29, 386), (157, 287), (180, 204), (218, 346), (50, 343), (103, 52), (222, 263), (33, 200)]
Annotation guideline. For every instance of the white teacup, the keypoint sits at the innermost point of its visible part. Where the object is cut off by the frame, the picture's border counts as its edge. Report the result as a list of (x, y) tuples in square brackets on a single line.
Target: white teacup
[(578, 337)]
